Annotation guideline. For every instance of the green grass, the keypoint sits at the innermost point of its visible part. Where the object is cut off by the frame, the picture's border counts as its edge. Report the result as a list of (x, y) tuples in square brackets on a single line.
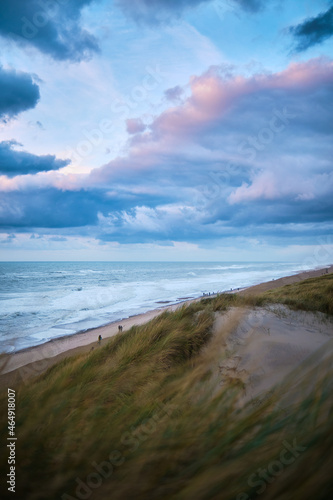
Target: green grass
[(151, 401), (313, 294)]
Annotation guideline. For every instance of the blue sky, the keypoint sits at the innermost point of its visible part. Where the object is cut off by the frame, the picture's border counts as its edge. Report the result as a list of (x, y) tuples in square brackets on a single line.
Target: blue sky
[(166, 130)]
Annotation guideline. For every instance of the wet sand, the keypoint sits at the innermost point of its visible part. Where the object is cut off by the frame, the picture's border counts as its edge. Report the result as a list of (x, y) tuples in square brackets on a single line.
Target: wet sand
[(21, 366), (287, 280)]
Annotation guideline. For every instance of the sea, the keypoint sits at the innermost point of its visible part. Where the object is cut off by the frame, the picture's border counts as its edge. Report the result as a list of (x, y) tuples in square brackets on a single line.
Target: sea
[(40, 301)]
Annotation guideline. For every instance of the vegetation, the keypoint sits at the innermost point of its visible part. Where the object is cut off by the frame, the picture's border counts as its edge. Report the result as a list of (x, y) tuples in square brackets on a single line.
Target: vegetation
[(147, 417), (313, 294)]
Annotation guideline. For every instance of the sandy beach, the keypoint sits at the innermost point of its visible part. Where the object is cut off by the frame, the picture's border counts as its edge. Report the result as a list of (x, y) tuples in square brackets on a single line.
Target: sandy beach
[(214, 388), (23, 365)]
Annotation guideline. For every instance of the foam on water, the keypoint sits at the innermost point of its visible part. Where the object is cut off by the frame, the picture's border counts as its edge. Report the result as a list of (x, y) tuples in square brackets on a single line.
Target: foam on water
[(41, 301)]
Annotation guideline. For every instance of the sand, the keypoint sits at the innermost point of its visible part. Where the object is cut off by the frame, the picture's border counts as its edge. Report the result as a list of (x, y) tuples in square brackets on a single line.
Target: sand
[(268, 344), (21, 366), (287, 280)]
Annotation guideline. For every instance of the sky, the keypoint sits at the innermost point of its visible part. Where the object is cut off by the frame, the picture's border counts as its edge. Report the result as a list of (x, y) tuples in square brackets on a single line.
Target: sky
[(166, 130)]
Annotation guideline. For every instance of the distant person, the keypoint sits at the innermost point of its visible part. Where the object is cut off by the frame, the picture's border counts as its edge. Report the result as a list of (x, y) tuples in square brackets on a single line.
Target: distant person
[(99, 338), (120, 328)]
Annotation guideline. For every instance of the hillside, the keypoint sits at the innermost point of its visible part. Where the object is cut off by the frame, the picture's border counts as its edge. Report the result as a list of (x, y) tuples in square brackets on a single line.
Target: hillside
[(155, 414)]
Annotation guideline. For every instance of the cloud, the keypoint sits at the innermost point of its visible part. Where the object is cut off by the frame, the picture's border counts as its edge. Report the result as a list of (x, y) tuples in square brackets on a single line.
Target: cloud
[(52, 27), (135, 126), (50, 207), (46, 208), (174, 94), (216, 97), (146, 224), (163, 11), (18, 92), (14, 162), (9, 239), (58, 238), (238, 151), (250, 5), (245, 156), (313, 31), (157, 11)]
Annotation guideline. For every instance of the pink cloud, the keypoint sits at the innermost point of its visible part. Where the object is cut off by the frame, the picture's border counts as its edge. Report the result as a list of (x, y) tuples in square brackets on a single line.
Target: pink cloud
[(213, 96), (135, 126), (272, 186), (265, 186), (301, 76), (42, 180)]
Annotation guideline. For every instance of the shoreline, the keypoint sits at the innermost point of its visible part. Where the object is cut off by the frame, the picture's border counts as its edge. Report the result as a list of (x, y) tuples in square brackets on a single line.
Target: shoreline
[(31, 361), (159, 305)]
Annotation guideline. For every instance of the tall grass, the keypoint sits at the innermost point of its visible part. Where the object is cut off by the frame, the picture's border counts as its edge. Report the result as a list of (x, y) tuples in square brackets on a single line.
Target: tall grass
[(151, 404), (313, 294)]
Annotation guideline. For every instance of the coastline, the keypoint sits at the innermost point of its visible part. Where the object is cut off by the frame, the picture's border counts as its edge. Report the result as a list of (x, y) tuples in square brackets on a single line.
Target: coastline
[(29, 362)]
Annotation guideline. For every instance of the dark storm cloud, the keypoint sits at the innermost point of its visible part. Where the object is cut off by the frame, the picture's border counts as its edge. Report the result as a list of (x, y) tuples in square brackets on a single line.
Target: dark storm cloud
[(247, 156), (47, 208), (51, 208), (160, 11), (262, 219), (285, 211), (268, 159), (13, 162), (18, 92), (51, 26), (313, 31)]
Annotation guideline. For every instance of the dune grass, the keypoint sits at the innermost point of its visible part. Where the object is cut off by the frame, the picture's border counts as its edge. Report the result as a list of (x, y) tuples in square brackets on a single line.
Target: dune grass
[(313, 294), (146, 416)]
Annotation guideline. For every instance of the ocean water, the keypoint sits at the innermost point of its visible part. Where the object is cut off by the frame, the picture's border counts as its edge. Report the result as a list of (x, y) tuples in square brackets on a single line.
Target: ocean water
[(40, 301)]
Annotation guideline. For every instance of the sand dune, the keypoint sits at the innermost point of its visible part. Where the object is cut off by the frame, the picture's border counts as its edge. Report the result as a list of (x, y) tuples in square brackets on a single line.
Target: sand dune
[(272, 349), (267, 344)]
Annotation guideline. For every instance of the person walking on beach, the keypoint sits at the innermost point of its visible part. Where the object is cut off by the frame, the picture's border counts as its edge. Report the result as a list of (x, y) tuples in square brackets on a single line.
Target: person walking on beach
[(99, 338), (120, 328)]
